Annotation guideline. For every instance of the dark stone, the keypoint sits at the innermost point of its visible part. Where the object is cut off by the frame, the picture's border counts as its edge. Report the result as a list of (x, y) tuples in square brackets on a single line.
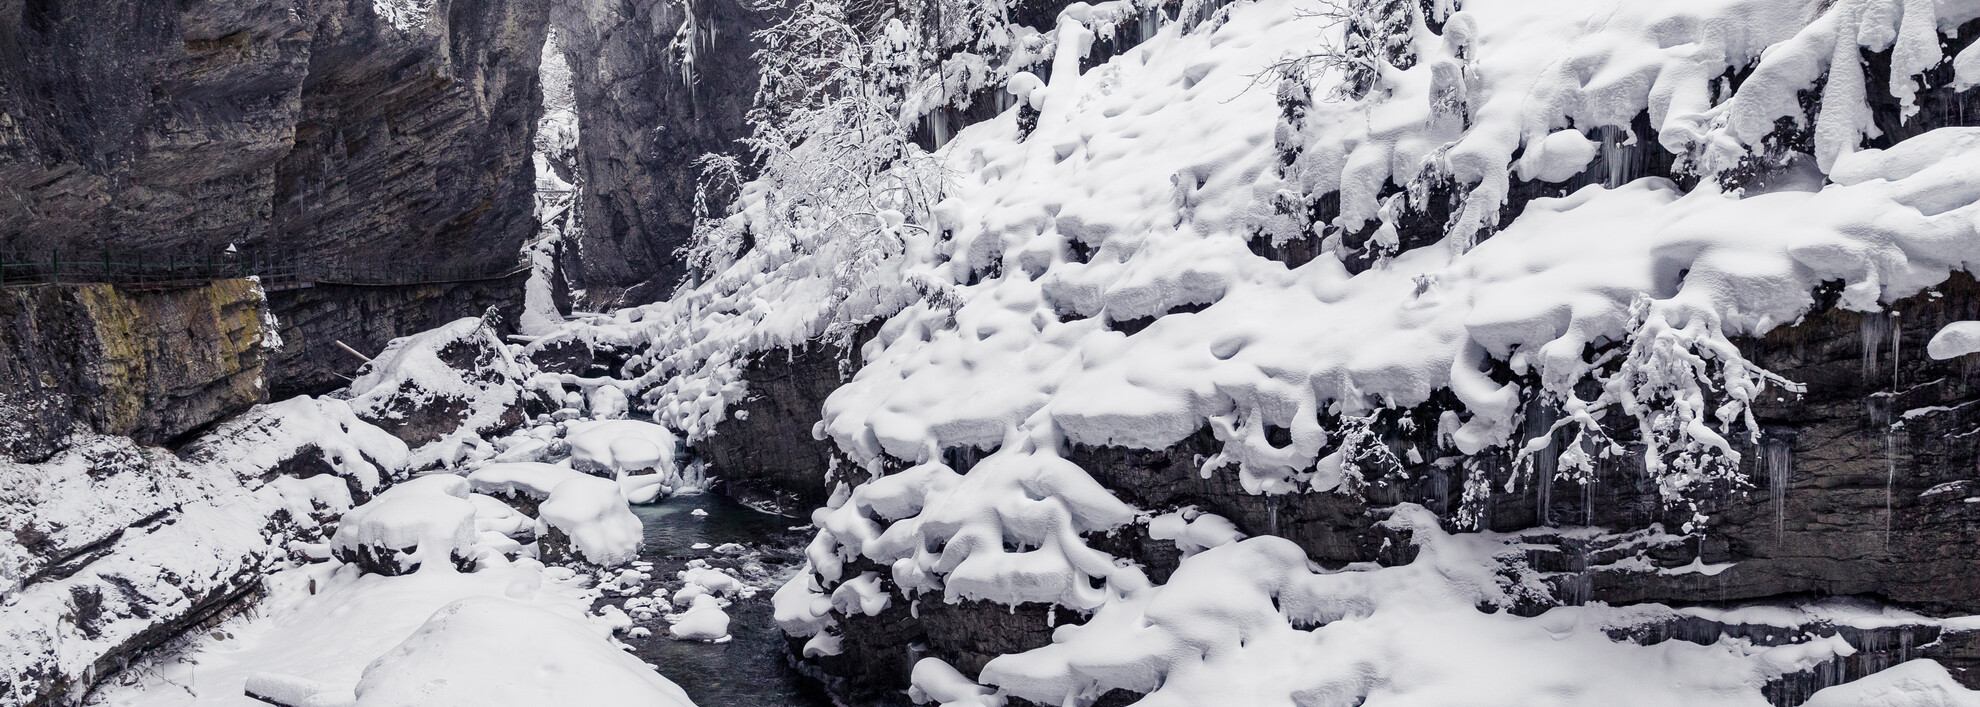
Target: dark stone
[(645, 121), (311, 321), (151, 365), (311, 128), (763, 454)]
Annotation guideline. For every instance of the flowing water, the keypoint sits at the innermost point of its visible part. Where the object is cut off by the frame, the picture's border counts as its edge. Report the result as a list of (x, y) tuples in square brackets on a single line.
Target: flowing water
[(751, 670)]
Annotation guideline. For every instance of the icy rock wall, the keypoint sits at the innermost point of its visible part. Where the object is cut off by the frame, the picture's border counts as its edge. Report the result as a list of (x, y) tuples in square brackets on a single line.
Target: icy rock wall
[(151, 365)]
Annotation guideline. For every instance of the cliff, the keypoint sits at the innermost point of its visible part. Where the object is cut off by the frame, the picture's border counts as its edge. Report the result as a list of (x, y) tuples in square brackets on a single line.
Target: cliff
[(344, 136), (152, 365)]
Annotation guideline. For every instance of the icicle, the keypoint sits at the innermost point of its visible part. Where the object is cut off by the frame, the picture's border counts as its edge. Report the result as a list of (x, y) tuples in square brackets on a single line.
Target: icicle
[(1890, 481), (1777, 459), (1872, 330), (1588, 501), (1897, 337)]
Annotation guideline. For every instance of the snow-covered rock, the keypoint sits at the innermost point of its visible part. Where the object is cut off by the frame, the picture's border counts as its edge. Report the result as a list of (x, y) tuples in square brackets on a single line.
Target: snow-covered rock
[(1954, 340), (442, 390), (704, 620), (522, 484), (426, 522), (640, 455), (587, 518), (1918, 683)]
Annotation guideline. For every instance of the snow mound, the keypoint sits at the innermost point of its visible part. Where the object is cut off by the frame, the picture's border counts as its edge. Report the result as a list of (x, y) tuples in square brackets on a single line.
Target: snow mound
[(1955, 340), (936, 681), (621, 446), (639, 454), (1918, 683), (587, 517), (487, 651), (703, 621), (529, 479), (427, 522)]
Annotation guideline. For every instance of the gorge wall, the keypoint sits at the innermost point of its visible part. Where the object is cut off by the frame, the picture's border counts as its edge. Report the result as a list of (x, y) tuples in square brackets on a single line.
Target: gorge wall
[(656, 89), (149, 365), (336, 136)]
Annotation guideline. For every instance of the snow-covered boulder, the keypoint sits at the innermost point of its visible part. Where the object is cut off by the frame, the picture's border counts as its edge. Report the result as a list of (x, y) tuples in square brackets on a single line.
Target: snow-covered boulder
[(426, 519), (486, 651), (451, 385), (586, 518), (613, 447), (523, 485), (1954, 340), (703, 621), (640, 455), (1919, 683)]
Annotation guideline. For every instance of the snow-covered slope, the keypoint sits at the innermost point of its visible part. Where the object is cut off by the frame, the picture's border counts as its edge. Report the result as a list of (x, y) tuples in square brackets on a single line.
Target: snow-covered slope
[(1091, 278)]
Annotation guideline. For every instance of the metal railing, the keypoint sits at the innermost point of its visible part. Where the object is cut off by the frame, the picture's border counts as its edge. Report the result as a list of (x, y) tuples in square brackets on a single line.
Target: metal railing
[(276, 269)]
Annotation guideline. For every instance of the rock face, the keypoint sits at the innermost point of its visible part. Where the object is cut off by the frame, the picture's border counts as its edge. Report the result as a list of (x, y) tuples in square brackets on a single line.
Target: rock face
[(647, 110), (763, 454), (346, 136), (111, 548), (313, 320), (316, 127), (150, 365)]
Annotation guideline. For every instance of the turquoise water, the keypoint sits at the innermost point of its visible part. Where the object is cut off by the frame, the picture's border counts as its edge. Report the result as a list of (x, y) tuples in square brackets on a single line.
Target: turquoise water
[(751, 670)]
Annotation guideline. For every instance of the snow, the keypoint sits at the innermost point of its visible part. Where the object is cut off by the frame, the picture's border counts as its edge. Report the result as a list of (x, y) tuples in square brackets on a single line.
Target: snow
[(703, 621), (1918, 683), (412, 372), (593, 513), (1132, 197), (488, 651), (1955, 340), (404, 15), (531, 479), (622, 445), (938, 682), (170, 533), (1194, 531), (639, 454), (418, 524), (1252, 623), (555, 151), (322, 624)]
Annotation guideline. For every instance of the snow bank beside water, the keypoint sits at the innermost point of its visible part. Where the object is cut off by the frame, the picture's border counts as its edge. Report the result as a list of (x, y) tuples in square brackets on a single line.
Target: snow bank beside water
[(488, 651)]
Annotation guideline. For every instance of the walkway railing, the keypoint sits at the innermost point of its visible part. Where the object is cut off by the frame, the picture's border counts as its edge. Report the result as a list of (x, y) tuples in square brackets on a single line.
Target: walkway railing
[(278, 270)]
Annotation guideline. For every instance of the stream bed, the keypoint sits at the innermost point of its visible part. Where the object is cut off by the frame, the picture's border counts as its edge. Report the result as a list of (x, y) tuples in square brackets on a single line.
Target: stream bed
[(751, 669)]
